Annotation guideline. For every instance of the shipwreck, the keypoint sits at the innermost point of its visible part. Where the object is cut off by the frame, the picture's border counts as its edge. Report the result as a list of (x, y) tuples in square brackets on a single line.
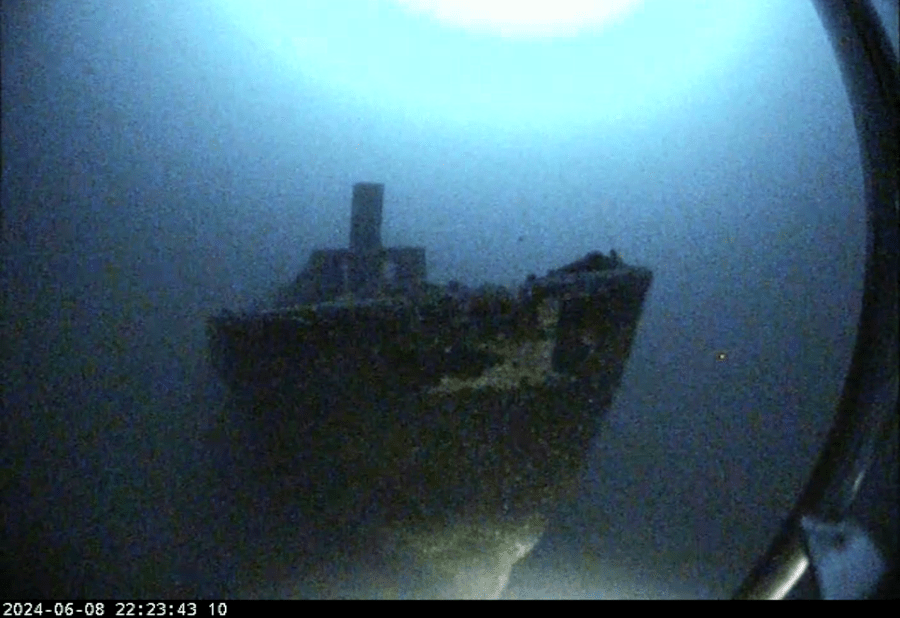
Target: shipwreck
[(427, 400)]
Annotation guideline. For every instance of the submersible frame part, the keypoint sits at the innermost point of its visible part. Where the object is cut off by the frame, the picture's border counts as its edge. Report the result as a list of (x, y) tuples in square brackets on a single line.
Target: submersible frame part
[(868, 404)]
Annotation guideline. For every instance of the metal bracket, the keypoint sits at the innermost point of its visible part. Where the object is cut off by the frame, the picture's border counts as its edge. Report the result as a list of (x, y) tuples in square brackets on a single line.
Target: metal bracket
[(845, 561)]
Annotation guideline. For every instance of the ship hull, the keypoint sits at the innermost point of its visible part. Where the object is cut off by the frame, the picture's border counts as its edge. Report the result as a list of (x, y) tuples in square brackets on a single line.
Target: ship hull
[(436, 408)]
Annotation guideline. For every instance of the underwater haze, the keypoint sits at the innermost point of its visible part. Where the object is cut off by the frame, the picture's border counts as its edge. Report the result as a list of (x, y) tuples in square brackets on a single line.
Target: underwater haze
[(163, 161)]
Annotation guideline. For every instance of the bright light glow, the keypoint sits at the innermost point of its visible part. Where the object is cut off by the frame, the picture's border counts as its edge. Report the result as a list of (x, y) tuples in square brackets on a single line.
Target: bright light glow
[(594, 63), (524, 17)]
